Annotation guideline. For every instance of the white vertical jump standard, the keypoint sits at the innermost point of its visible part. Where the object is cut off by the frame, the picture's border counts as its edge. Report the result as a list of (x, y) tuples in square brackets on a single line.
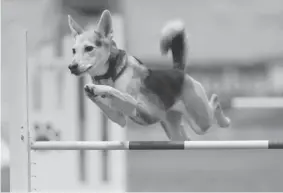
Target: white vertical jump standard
[(15, 58)]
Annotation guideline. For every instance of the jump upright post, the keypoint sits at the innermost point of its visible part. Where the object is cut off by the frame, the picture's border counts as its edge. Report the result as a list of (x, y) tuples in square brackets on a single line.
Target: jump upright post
[(15, 58), (21, 146)]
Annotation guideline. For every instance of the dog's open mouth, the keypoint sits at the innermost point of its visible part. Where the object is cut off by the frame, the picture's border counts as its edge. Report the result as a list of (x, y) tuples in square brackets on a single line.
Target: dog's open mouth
[(77, 72), (88, 67)]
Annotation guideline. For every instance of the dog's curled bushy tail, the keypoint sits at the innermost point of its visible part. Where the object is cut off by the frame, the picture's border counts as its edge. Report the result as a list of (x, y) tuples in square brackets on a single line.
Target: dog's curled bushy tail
[(174, 38)]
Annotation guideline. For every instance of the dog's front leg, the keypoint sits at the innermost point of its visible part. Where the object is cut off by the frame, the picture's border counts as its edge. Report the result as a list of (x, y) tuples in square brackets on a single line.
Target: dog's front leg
[(114, 115), (122, 102)]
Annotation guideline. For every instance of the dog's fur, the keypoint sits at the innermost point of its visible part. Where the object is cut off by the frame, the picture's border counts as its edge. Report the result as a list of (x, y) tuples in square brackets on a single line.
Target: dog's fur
[(124, 87)]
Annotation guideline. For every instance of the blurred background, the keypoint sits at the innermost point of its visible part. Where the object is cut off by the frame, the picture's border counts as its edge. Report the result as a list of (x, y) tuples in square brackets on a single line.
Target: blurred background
[(236, 49)]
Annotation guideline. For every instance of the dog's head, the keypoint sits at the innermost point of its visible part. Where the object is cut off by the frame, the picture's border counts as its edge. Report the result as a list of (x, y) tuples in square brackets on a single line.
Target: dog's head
[(92, 47)]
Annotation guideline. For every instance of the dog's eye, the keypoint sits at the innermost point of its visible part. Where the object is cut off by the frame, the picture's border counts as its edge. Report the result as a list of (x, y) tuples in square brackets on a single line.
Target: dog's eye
[(74, 51), (88, 48)]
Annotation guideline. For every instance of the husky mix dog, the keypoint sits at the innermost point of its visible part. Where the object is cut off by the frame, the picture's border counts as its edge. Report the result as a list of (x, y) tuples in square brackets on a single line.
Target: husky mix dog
[(122, 87)]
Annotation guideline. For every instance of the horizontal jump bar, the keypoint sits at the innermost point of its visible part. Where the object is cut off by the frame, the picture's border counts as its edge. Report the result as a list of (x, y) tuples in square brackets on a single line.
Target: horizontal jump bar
[(257, 102), (155, 145)]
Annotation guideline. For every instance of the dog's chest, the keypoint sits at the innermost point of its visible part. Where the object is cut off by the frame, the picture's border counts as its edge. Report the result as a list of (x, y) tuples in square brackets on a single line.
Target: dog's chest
[(127, 83)]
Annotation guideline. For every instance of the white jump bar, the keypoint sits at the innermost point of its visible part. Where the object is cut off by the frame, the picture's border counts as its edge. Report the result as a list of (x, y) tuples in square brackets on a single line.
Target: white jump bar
[(155, 145), (257, 102)]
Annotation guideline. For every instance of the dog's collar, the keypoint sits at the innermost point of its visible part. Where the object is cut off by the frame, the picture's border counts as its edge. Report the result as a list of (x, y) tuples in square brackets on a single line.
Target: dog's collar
[(117, 65)]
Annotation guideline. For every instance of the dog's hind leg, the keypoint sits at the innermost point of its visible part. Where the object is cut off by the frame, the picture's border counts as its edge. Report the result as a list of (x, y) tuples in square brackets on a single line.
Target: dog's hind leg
[(173, 127), (219, 115), (199, 112)]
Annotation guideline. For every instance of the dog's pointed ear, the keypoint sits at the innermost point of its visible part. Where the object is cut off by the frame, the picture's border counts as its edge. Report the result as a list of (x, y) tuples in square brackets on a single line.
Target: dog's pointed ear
[(76, 29), (105, 24)]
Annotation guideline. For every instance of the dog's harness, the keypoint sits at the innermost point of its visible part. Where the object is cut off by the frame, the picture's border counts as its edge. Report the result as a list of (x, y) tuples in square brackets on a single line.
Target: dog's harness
[(116, 67)]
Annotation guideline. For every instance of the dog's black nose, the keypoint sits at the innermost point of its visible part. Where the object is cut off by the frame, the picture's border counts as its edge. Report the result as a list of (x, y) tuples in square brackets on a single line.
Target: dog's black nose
[(73, 66)]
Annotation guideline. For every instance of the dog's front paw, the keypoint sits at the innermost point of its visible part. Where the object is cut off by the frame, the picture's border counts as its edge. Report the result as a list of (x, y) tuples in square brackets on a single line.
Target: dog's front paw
[(99, 90), (89, 90), (93, 91)]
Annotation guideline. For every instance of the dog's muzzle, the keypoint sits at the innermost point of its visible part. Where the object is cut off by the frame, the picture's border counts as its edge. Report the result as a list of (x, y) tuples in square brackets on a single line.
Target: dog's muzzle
[(73, 68)]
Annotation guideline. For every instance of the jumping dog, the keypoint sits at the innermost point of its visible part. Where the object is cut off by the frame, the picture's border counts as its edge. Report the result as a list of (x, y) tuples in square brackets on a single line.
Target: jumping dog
[(122, 87)]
